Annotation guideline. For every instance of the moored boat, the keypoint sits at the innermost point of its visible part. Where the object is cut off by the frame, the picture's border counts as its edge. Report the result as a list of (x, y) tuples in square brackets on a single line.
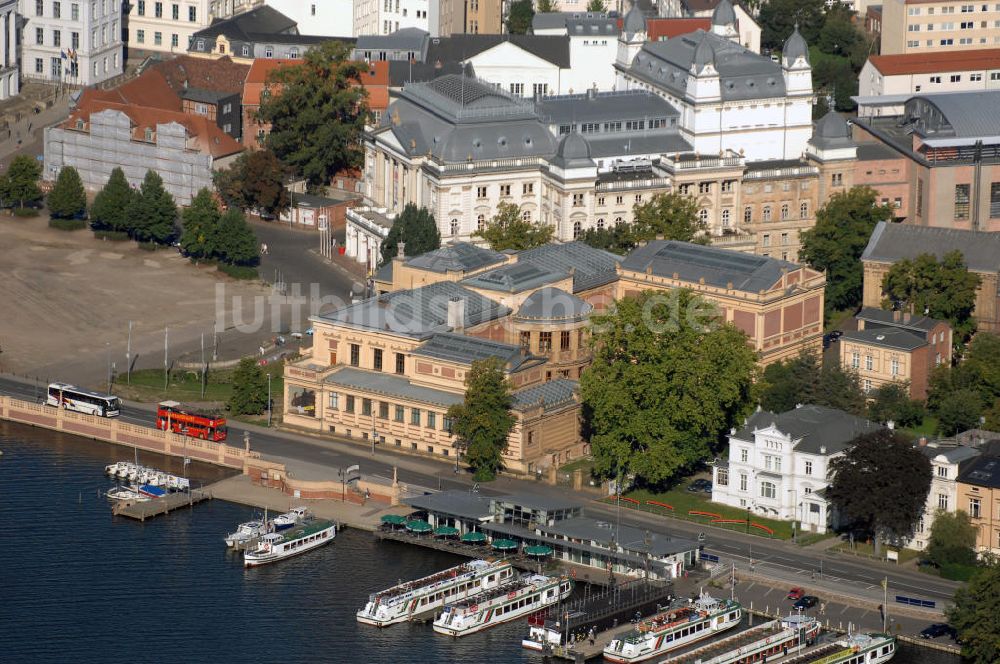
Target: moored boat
[(873, 648), (772, 640), (307, 536), (521, 597), (683, 623), (422, 597), (245, 532), (126, 493), (152, 491), (290, 518)]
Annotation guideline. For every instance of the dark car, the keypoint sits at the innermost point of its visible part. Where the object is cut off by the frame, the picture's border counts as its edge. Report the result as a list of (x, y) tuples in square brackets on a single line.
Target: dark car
[(806, 602), (937, 630), (700, 485)]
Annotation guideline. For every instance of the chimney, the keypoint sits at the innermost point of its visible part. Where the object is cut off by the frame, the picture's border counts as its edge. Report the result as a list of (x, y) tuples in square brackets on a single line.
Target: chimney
[(401, 250), (822, 449), (456, 314), (896, 315)]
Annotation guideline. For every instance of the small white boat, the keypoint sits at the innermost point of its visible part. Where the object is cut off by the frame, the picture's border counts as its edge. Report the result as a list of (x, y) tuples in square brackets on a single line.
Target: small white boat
[(292, 517), (245, 532), (122, 493)]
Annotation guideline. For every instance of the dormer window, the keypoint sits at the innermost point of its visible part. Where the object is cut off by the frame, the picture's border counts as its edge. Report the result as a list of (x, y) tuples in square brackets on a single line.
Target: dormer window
[(79, 124), (149, 134)]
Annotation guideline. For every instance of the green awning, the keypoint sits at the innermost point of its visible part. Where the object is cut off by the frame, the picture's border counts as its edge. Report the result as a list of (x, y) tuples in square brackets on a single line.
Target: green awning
[(474, 537), (538, 550), (394, 519), (419, 526), (445, 531), (504, 544)]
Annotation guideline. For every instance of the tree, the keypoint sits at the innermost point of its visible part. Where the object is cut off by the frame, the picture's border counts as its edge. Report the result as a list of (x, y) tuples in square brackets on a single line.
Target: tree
[(249, 396), (483, 421), (802, 380), (67, 200), (959, 395), (519, 19), (235, 242), (958, 412), (835, 76), (779, 17), (20, 182), (111, 204), (617, 238), (892, 403), (152, 213), (416, 228), (880, 485), (317, 112), (944, 289), (200, 222), (976, 617), (668, 379), (256, 180), (670, 216), (508, 230), (841, 389), (843, 227), (596, 6), (953, 539), (547, 6), (839, 33)]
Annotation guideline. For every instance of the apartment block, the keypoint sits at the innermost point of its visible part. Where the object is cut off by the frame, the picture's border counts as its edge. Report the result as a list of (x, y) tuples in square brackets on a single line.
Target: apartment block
[(931, 26), (167, 26), (76, 43)]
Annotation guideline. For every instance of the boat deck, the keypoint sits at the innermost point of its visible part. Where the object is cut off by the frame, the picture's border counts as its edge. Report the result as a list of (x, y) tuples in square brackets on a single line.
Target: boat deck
[(305, 529), (817, 654), (499, 591), (142, 510), (722, 646)]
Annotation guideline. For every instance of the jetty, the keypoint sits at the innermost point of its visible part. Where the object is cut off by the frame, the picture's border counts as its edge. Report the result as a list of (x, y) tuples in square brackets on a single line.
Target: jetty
[(146, 509)]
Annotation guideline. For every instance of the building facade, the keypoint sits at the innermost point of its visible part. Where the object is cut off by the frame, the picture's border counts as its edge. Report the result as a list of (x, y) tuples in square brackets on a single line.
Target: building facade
[(932, 26), (75, 43), (327, 18), (778, 464), (978, 494), (10, 54), (947, 462), (909, 74), (168, 26)]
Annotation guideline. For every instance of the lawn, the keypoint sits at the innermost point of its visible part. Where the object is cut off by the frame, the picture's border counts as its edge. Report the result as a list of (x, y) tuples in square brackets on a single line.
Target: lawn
[(867, 550), (684, 501), (926, 428), (584, 463), (146, 385)]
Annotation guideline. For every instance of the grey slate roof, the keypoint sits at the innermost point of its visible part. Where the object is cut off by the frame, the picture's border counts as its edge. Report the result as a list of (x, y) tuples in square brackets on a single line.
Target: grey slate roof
[(515, 278), (391, 385), (630, 538), (636, 143), (550, 395), (460, 47), (602, 106), (718, 267), (456, 257), (743, 74), (463, 504), (402, 72), (539, 502), (832, 131), (880, 317), (814, 427), (875, 152), (573, 152), (951, 453), (384, 273), (594, 25), (553, 305), (417, 313), (795, 47), (591, 267), (962, 113), (892, 242), (984, 472), (888, 337), (249, 26), (466, 350), (406, 39), (635, 20)]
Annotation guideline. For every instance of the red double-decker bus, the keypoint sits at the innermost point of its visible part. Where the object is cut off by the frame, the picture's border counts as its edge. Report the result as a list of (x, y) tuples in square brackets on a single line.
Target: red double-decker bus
[(184, 419)]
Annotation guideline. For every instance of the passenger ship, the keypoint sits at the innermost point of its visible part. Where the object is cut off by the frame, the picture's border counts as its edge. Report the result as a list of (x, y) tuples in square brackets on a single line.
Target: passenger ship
[(423, 597), (681, 624), (861, 649), (773, 640), (278, 546), (521, 597)]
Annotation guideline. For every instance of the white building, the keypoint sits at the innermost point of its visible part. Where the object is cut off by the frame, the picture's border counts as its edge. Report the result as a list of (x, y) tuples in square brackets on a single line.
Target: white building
[(778, 464), (946, 463), (168, 25), (327, 18), (79, 43), (593, 46), (365, 230), (9, 64), (730, 98), (382, 17), (744, 24)]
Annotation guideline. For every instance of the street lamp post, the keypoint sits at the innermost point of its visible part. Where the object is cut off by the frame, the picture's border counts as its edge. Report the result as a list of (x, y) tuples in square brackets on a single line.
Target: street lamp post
[(107, 344), (269, 406), (795, 495)]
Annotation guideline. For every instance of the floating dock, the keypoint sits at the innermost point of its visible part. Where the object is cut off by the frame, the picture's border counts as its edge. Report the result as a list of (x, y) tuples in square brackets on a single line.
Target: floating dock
[(142, 510)]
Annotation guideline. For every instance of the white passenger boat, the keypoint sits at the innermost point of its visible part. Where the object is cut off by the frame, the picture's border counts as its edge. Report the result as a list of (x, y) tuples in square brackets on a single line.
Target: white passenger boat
[(768, 642), (683, 623), (423, 597), (871, 648), (245, 532), (298, 539), (519, 598)]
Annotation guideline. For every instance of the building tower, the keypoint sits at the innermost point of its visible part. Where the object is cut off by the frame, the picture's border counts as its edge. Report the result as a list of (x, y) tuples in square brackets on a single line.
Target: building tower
[(632, 37), (724, 22)]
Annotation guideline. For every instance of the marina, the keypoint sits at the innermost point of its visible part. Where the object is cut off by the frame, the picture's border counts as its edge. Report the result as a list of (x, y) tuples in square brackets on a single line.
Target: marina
[(145, 507)]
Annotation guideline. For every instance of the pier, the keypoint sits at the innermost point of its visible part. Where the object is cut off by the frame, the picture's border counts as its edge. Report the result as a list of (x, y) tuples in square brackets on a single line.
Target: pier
[(142, 510)]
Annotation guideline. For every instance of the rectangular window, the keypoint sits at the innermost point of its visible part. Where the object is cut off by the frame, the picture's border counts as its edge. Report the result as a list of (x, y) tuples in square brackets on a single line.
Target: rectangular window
[(74, 12), (40, 36), (400, 413), (39, 8), (809, 467), (39, 66), (704, 187), (446, 424), (140, 36), (544, 342), (175, 12), (74, 39), (767, 462), (527, 188), (942, 471), (480, 192), (57, 38), (383, 410), (158, 9), (366, 407), (744, 455), (564, 340), (334, 400), (894, 366), (377, 359), (722, 477), (175, 40), (837, 179), (994, 200), (961, 201), (56, 10), (157, 38), (974, 508), (577, 200), (349, 404), (415, 416), (400, 363), (943, 501), (431, 420), (505, 190), (140, 7), (767, 490), (855, 360), (743, 481), (355, 355), (192, 14), (517, 89)]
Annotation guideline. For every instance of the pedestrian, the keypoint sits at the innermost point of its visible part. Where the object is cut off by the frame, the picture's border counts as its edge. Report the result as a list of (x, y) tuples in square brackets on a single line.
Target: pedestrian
[(261, 349), (29, 127), (592, 635)]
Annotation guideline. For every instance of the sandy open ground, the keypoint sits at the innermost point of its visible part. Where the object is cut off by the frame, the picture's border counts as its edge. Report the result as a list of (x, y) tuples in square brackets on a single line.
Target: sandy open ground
[(65, 297)]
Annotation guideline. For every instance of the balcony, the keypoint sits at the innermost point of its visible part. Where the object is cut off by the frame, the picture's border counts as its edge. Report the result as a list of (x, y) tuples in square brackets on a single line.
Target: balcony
[(629, 185), (694, 161), (505, 164)]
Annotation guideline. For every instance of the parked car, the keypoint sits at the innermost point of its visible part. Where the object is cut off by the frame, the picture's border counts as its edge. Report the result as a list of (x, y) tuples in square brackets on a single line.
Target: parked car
[(806, 602), (796, 593), (937, 630), (700, 485)]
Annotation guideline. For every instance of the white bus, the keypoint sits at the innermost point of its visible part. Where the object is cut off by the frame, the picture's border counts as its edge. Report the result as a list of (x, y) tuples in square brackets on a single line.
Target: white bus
[(83, 401)]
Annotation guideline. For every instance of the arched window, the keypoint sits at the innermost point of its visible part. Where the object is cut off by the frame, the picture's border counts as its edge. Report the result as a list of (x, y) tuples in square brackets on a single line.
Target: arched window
[(526, 215), (767, 490), (784, 211), (767, 213), (600, 224), (703, 216), (618, 220), (454, 226), (480, 222), (803, 210), (725, 218), (576, 229), (747, 214)]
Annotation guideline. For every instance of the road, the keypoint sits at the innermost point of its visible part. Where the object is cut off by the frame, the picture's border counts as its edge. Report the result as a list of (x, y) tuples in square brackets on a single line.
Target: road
[(817, 567)]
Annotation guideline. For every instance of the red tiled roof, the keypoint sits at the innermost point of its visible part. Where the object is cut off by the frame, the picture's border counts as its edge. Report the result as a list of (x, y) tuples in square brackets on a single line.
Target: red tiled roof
[(150, 90), (658, 28), (257, 77), (929, 63), (217, 75), (375, 79)]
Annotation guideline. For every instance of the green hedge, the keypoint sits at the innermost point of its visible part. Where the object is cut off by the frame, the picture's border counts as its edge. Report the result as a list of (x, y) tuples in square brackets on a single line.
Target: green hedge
[(68, 224), (239, 271), (113, 236), (957, 572), (25, 212)]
